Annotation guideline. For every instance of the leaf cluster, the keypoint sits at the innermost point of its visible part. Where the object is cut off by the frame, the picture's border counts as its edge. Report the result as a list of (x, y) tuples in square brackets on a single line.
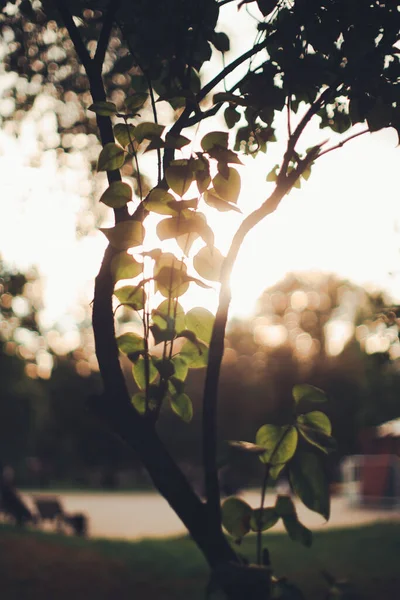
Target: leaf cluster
[(299, 448)]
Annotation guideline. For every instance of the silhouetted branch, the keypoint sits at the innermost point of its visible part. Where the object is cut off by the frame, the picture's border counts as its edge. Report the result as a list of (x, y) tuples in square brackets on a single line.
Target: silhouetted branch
[(229, 68), (294, 138), (343, 142), (105, 32), (75, 36)]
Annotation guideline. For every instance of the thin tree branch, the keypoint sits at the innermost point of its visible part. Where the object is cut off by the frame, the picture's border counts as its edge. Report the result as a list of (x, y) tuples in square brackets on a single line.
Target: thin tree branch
[(294, 138), (105, 32), (343, 142), (289, 122), (184, 119), (211, 112), (75, 36), (229, 68), (216, 349), (155, 116)]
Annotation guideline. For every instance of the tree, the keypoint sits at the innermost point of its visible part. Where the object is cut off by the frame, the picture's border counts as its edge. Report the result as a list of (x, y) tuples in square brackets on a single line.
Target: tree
[(335, 62)]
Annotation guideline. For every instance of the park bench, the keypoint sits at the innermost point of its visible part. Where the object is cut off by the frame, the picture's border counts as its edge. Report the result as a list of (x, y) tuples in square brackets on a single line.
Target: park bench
[(50, 509), (12, 506)]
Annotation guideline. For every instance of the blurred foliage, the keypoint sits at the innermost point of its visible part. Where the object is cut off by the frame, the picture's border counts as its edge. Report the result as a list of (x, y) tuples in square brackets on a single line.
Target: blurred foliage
[(47, 435), (45, 430)]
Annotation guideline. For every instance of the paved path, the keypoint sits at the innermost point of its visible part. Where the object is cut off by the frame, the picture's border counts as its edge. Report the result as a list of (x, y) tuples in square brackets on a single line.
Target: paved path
[(146, 515)]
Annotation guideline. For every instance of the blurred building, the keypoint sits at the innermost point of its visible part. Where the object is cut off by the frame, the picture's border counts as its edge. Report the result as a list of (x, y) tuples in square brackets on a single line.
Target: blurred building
[(372, 478)]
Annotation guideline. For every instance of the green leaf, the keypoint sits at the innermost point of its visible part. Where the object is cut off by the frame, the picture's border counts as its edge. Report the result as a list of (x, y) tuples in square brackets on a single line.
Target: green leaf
[(171, 282), (263, 520), (148, 131), (212, 199), (273, 174), (195, 355), (189, 335), (279, 441), (139, 372), (125, 234), (297, 531), (201, 168), (167, 259), (224, 155), (170, 228), (175, 386), (158, 201), (139, 402), (208, 263), (214, 138), (169, 315), (317, 420), (231, 116), (228, 188), (176, 141), (155, 144), (136, 101), (309, 482), (195, 225), (317, 438), (198, 282), (118, 194), (201, 322), (182, 406), (124, 133), (132, 296), (266, 6), (111, 157), (181, 368), (179, 176), (130, 343), (315, 427), (236, 515), (308, 393), (124, 266), (284, 506), (103, 109), (162, 335), (165, 367), (181, 206), (221, 41)]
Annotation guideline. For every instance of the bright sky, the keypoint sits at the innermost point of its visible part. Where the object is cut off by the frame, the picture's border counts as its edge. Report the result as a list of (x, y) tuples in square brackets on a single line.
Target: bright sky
[(343, 219)]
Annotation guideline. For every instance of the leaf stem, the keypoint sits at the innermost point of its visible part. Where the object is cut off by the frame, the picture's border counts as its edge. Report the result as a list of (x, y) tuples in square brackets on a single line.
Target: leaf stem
[(267, 471), (259, 524)]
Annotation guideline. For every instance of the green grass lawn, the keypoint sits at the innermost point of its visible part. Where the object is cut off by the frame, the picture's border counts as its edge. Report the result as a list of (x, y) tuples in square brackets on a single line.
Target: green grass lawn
[(46, 566)]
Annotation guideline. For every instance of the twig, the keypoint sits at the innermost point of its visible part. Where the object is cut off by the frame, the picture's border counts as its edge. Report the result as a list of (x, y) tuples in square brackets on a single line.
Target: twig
[(343, 142), (314, 108), (289, 124), (259, 524), (154, 109), (229, 68), (268, 466)]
